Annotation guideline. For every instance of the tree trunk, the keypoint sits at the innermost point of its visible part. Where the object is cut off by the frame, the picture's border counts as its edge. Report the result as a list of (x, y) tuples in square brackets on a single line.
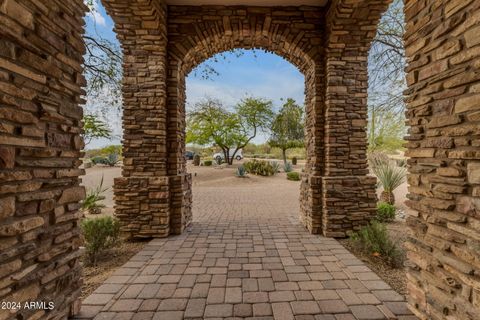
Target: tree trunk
[(284, 154), (387, 197), (225, 154)]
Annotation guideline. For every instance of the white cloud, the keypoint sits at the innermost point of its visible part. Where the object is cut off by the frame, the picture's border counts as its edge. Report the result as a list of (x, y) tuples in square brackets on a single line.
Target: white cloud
[(270, 85), (95, 14)]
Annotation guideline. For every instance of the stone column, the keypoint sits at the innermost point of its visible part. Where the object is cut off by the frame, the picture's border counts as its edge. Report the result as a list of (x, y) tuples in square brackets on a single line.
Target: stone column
[(349, 198), (143, 194), (311, 211), (443, 50), (181, 181), (41, 76)]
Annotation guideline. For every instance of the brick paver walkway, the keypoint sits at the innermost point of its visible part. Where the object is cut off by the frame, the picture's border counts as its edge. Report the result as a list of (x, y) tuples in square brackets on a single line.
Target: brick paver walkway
[(245, 256)]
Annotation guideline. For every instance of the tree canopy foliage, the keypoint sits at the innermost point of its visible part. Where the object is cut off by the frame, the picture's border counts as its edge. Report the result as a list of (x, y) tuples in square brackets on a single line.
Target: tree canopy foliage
[(212, 123), (287, 129), (95, 128), (387, 81)]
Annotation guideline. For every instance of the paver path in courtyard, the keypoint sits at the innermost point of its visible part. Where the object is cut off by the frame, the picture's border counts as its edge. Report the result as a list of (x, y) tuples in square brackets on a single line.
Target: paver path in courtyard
[(245, 256)]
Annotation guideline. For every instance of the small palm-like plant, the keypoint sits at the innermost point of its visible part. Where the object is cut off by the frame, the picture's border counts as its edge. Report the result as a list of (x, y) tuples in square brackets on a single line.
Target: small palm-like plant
[(92, 200), (390, 177)]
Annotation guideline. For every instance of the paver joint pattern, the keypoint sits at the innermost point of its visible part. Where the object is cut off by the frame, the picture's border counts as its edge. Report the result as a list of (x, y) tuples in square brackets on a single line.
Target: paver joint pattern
[(245, 256)]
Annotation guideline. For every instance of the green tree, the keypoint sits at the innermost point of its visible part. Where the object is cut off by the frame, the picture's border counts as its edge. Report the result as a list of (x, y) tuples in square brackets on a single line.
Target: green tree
[(102, 67), (287, 129), (94, 127), (387, 80), (211, 123), (387, 129)]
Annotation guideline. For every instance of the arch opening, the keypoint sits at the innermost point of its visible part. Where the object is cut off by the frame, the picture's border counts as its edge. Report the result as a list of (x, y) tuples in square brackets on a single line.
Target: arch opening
[(236, 29), (259, 82)]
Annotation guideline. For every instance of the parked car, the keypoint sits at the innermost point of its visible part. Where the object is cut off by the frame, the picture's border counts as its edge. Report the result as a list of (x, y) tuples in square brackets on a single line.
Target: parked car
[(221, 157), (189, 155)]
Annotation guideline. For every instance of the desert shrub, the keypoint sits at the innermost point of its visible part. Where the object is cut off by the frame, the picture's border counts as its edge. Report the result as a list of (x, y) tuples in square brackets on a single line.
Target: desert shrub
[(91, 203), (196, 160), (207, 163), (241, 172), (294, 161), (287, 167), (275, 166), (390, 177), (97, 160), (385, 212), (99, 234), (262, 168), (374, 239), (293, 176), (103, 152), (110, 160)]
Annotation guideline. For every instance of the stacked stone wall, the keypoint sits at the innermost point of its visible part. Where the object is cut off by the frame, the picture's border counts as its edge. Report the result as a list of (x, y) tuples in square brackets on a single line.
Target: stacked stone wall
[(349, 200), (443, 49), (41, 78), (144, 196)]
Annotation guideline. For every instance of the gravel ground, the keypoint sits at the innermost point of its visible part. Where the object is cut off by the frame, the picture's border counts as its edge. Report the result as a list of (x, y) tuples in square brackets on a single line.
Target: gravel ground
[(94, 276), (395, 277)]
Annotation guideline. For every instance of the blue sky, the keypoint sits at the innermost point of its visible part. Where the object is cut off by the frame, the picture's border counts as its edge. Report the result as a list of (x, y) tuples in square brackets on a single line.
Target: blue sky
[(259, 74)]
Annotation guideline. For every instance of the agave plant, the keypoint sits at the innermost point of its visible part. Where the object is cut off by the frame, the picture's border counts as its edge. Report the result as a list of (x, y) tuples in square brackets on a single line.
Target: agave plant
[(241, 172), (275, 167), (390, 177), (288, 167)]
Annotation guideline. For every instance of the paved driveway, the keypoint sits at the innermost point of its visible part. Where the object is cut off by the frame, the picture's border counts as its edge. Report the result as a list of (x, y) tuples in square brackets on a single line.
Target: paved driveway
[(245, 256)]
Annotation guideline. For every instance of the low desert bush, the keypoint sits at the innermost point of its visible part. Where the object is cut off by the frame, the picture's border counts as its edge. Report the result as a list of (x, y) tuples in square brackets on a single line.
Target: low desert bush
[(262, 168), (99, 234), (293, 176), (373, 239), (294, 161), (110, 160), (385, 212), (207, 163)]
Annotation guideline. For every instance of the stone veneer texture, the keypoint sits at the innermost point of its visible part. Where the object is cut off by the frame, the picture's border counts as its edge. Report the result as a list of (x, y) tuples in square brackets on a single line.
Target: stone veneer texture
[(41, 80), (443, 49)]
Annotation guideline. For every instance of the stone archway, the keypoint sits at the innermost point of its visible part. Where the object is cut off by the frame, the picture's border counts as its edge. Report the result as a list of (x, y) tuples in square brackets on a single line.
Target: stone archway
[(196, 34), (162, 44)]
